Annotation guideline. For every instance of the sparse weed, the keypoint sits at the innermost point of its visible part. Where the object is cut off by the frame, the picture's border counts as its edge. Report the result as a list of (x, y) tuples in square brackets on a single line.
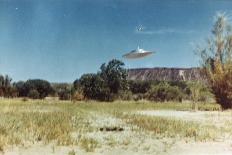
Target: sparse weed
[(111, 141), (65, 123), (89, 144), (72, 152), (173, 128)]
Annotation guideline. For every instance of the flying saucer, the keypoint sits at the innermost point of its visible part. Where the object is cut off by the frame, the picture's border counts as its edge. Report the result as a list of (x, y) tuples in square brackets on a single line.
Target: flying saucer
[(137, 53)]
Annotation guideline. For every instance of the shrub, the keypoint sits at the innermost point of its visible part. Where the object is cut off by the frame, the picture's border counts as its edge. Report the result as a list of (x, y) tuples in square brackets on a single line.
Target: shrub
[(139, 87), (125, 95), (78, 96), (222, 89), (217, 61), (34, 94), (198, 91), (94, 87), (59, 87), (64, 95), (164, 92), (41, 86)]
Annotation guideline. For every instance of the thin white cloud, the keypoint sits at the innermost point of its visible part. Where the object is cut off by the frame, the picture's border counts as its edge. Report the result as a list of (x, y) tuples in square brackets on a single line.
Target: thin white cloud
[(165, 31)]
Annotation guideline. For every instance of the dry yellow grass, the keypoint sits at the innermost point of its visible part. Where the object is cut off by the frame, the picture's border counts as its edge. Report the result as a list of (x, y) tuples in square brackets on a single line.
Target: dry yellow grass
[(24, 122)]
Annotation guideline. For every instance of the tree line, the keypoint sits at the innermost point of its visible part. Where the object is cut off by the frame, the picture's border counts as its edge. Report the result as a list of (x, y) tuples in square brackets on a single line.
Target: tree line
[(108, 84)]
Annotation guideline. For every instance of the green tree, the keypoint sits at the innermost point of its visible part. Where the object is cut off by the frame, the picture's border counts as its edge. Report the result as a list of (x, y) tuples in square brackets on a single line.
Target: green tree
[(115, 76), (106, 85), (216, 59), (43, 87), (62, 90), (94, 87)]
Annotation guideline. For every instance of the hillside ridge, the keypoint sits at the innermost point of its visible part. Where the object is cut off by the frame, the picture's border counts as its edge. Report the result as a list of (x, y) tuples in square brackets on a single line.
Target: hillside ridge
[(166, 74)]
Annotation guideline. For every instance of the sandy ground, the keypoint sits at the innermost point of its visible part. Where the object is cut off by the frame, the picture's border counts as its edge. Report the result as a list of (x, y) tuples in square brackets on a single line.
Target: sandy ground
[(200, 148), (130, 141), (209, 148), (222, 147)]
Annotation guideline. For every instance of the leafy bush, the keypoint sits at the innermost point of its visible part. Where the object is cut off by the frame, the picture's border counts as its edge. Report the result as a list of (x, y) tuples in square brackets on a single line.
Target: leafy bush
[(64, 95), (198, 91), (34, 94), (94, 87), (27, 89), (139, 87), (164, 92)]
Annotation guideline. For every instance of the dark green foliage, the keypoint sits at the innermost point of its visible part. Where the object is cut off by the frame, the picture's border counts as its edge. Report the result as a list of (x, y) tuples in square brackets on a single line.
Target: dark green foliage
[(105, 85), (64, 95), (34, 94), (139, 87), (77, 85), (182, 85), (21, 89), (94, 87), (62, 90), (114, 75), (164, 92), (41, 86)]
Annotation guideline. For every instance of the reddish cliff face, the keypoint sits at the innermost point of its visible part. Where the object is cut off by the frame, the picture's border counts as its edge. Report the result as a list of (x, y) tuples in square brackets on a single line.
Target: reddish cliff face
[(166, 74)]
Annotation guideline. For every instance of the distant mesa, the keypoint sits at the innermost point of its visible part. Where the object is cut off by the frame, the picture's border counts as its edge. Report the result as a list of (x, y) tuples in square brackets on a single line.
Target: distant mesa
[(166, 74)]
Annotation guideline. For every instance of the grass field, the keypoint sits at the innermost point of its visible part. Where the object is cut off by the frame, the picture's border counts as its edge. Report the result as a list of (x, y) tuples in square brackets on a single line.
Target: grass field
[(65, 127)]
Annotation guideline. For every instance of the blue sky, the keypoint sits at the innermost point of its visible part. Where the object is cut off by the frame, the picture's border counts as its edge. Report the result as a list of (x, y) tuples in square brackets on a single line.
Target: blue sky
[(59, 40)]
